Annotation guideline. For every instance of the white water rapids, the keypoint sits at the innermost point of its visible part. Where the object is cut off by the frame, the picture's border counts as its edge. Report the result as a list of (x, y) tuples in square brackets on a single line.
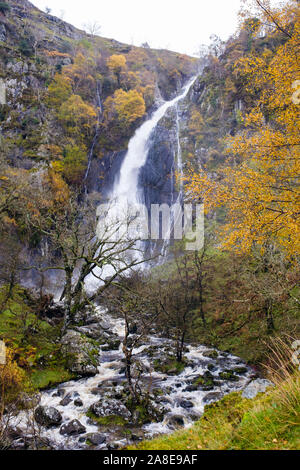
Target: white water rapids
[(180, 401)]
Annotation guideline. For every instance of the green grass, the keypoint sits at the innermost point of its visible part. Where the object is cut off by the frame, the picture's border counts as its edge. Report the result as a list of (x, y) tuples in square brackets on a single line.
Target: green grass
[(269, 422), (34, 341), (107, 421), (48, 377)]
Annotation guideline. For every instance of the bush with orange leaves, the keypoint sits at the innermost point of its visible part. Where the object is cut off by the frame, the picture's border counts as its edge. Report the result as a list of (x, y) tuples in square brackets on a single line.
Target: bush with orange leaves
[(12, 380)]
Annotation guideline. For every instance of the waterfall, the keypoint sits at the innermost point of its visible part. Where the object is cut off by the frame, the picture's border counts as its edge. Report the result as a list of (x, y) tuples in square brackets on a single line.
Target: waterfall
[(126, 188), (126, 191)]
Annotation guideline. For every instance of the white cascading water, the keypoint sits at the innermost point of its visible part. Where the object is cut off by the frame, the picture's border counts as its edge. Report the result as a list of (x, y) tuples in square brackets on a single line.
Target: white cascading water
[(126, 191), (126, 188), (178, 399)]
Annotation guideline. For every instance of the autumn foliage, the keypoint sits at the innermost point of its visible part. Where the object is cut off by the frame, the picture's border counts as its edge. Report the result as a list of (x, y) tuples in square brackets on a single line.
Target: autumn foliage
[(258, 184)]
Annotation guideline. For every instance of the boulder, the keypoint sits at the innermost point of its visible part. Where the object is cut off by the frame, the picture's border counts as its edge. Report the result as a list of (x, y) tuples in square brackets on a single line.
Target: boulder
[(82, 352), (213, 396), (47, 416), (78, 402), (95, 438), (255, 387), (186, 404), (228, 374), (104, 408), (212, 354), (175, 421), (72, 428)]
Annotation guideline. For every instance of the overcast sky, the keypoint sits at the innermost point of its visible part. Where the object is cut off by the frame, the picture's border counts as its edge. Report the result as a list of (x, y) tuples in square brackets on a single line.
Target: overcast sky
[(179, 25)]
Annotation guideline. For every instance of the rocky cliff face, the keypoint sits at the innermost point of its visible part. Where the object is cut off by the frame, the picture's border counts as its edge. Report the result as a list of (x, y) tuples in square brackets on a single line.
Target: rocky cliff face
[(34, 47)]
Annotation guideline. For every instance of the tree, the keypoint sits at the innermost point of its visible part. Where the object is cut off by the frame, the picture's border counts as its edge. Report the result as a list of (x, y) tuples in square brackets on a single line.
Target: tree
[(117, 64), (93, 28), (125, 106), (77, 116), (74, 248), (258, 185), (72, 164), (134, 300), (59, 90), (82, 75)]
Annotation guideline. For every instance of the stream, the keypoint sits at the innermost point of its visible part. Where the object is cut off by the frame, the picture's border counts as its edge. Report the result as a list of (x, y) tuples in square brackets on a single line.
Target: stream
[(181, 402)]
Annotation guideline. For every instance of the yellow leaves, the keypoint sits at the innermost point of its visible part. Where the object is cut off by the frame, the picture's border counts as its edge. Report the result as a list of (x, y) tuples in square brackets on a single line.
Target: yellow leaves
[(260, 189), (58, 188), (116, 63), (129, 106), (59, 90), (12, 377), (75, 114)]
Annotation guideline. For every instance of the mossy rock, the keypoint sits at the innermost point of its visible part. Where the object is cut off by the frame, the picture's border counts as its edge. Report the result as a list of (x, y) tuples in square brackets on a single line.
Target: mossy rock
[(107, 421), (211, 354), (228, 374), (240, 370), (205, 381), (169, 367)]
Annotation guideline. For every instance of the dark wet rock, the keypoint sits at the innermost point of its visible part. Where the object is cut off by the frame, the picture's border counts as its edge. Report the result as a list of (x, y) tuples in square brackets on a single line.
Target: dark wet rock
[(95, 438), (205, 381), (133, 329), (96, 391), (175, 421), (69, 398), (59, 392), (240, 370), (112, 345), (66, 400), (93, 331), (135, 437), (47, 416), (211, 367), (191, 388), (213, 396), (72, 428), (19, 444), (186, 404), (78, 402), (114, 445)]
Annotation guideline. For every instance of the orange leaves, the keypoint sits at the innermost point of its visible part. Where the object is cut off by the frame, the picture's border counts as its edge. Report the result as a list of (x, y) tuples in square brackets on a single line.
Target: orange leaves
[(56, 54), (12, 377), (58, 189)]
